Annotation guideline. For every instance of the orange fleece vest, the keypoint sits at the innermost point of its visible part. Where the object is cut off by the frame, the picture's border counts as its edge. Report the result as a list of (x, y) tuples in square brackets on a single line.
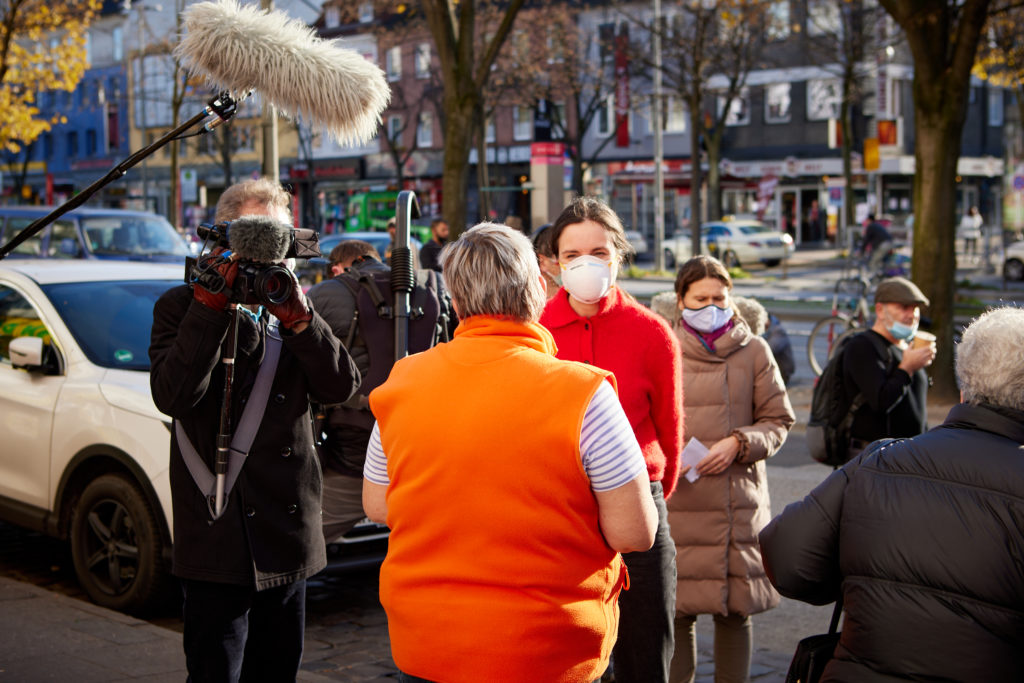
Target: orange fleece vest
[(496, 567)]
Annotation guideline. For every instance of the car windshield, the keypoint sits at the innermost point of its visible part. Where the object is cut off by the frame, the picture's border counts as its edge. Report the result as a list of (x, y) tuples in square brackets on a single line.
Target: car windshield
[(753, 229), (132, 235), (111, 321)]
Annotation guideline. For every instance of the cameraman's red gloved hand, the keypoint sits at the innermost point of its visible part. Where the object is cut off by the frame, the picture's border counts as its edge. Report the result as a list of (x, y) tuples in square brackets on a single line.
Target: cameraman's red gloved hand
[(228, 270), (294, 312)]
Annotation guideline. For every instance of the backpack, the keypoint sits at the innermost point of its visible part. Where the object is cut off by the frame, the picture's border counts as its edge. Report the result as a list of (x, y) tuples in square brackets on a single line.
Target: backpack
[(833, 410), (343, 429), (431, 318)]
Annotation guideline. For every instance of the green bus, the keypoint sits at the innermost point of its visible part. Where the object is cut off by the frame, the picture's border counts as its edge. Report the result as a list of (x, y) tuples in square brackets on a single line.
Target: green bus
[(371, 211)]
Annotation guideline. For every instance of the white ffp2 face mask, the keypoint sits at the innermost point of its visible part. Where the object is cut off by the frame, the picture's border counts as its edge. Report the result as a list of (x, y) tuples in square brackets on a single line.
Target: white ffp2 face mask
[(588, 278), (707, 319)]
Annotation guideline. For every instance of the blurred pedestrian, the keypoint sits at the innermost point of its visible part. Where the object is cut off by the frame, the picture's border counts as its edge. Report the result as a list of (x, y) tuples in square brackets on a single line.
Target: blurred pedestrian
[(506, 507), (736, 405), (922, 537), (346, 427), (595, 322), (431, 251), (876, 245), (970, 232), (764, 324)]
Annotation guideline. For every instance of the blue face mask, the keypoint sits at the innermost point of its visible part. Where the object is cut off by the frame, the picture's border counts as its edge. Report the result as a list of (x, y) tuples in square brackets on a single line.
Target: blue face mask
[(902, 332), (707, 319)]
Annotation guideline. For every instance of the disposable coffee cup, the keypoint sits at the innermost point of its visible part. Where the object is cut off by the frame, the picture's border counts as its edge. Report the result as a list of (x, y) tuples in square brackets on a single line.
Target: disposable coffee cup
[(922, 339)]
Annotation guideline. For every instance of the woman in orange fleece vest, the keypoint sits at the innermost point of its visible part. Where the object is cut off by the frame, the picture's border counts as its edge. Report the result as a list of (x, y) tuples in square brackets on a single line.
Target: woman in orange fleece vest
[(511, 481)]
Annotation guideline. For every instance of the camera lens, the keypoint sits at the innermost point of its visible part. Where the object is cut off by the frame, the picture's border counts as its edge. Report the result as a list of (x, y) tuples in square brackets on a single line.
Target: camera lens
[(273, 285)]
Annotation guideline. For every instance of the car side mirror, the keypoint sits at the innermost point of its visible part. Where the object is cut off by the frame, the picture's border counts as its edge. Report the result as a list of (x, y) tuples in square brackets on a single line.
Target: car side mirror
[(26, 353)]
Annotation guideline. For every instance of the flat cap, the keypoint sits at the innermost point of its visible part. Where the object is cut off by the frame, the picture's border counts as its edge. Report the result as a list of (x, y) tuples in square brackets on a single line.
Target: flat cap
[(899, 290)]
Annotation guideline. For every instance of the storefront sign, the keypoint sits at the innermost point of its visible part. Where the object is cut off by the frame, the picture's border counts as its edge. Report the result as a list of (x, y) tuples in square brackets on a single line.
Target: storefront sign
[(547, 153)]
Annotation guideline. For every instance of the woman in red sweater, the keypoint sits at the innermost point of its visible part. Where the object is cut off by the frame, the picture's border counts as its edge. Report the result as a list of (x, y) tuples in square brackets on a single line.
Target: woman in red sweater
[(593, 321)]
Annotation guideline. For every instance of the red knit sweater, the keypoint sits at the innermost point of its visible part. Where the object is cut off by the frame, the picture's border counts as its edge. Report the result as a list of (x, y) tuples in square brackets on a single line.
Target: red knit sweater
[(643, 353)]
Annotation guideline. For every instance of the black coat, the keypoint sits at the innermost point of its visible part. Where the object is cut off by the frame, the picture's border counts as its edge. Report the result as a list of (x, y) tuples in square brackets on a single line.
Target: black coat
[(895, 403), (270, 534), (925, 539)]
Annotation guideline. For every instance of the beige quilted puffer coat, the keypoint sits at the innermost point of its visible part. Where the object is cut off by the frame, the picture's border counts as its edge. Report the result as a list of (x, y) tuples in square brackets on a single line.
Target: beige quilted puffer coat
[(715, 520)]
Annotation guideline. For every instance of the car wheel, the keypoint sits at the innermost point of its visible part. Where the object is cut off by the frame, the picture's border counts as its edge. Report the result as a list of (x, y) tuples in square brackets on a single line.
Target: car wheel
[(730, 260), (116, 546), (670, 259), (1013, 269), (772, 262)]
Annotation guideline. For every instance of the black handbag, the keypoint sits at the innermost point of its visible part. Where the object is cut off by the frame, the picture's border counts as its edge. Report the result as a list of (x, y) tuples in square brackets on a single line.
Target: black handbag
[(813, 652)]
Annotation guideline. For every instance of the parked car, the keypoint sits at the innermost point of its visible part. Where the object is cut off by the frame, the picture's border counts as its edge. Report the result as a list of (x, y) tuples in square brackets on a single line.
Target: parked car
[(1013, 262), (85, 455), (312, 271), (637, 241), (95, 234), (733, 241)]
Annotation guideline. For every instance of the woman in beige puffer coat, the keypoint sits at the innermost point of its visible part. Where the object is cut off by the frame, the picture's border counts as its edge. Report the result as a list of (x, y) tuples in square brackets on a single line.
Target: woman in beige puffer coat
[(736, 405)]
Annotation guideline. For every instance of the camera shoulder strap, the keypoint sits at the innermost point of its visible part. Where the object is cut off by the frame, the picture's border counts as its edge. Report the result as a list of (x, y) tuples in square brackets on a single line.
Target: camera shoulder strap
[(248, 425)]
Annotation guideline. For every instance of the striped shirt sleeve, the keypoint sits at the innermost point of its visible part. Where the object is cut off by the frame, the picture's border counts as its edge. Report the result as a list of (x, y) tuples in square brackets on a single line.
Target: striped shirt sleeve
[(376, 466), (609, 451)]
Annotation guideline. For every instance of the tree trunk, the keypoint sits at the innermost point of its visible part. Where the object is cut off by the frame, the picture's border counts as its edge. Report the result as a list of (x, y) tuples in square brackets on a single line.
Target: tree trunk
[(454, 184), (714, 177), (483, 180), (846, 231), (934, 263)]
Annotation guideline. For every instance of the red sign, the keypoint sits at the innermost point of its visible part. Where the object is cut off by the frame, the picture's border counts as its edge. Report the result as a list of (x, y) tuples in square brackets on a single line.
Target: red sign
[(647, 167), (547, 153), (622, 88)]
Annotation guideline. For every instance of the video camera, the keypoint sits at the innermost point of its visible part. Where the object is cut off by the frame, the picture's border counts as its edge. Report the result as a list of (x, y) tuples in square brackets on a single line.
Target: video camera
[(259, 244)]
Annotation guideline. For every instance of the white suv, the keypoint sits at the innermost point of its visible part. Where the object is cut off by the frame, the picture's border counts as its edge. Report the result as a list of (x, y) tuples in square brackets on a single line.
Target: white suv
[(85, 450)]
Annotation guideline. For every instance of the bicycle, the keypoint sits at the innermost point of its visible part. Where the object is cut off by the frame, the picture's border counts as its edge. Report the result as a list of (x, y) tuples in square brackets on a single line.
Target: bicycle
[(849, 315)]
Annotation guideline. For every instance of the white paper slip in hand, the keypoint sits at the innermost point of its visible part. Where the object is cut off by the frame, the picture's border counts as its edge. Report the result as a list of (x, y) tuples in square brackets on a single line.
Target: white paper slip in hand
[(694, 452)]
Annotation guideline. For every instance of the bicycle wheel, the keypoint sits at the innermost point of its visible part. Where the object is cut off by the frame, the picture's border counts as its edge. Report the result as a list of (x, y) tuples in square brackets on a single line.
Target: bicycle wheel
[(823, 338)]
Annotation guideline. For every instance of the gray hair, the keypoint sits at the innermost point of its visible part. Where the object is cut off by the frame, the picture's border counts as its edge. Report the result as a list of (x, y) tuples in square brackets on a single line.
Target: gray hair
[(492, 270), (262, 190), (990, 359)]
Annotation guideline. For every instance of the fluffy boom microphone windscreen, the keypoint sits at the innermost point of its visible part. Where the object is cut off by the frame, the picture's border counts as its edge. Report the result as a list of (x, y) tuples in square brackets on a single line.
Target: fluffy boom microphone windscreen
[(259, 238), (241, 48)]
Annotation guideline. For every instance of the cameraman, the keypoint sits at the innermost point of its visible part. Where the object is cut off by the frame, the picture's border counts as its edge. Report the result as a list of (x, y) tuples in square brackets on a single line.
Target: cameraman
[(244, 574)]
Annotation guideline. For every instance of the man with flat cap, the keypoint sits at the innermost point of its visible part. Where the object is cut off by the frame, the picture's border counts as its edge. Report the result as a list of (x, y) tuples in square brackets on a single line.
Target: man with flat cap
[(887, 368)]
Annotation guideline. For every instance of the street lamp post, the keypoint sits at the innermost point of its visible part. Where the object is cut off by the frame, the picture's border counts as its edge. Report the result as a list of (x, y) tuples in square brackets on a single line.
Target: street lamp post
[(271, 166)]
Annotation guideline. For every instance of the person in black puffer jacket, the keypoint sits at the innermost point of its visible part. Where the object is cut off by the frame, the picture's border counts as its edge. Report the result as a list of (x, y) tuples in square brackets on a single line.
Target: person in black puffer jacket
[(924, 537)]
